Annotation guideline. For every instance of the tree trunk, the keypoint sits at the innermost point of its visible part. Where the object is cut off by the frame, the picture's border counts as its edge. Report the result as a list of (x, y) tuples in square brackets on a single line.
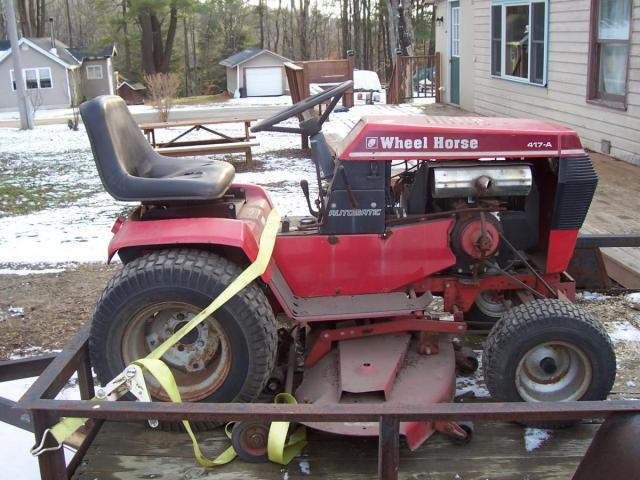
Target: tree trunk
[(344, 21), (125, 33), (146, 42), (171, 34), (405, 27), (187, 56), (261, 16), (291, 30), (303, 32), (69, 28), (392, 33)]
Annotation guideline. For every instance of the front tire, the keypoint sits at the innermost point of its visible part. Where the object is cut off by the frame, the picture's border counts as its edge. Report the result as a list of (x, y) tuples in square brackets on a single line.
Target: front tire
[(227, 358), (548, 350)]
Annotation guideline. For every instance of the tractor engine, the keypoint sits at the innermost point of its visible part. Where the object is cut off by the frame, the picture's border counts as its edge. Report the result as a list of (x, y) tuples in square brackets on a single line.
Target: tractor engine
[(489, 199)]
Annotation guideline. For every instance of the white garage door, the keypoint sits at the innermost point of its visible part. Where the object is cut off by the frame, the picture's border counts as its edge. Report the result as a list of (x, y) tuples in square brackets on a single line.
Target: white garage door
[(263, 81)]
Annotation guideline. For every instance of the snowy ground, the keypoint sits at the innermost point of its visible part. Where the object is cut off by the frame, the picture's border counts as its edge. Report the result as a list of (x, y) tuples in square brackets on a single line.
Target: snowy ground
[(53, 209), (50, 113)]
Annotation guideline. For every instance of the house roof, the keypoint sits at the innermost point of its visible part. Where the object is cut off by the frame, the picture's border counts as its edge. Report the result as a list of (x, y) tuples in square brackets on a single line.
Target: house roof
[(64, 55), (247, 54), (81, 54), (61, 49)]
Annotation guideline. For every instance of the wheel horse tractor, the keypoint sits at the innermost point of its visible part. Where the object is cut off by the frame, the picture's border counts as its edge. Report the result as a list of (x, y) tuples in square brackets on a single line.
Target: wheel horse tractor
[(483, 212)]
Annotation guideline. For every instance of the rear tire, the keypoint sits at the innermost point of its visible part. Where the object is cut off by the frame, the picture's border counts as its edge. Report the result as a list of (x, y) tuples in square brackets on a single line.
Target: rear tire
[(227, 358), (548, 350)]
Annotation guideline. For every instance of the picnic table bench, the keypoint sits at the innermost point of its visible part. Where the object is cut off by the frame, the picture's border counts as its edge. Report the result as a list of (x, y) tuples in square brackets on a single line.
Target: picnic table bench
[(221, 143)]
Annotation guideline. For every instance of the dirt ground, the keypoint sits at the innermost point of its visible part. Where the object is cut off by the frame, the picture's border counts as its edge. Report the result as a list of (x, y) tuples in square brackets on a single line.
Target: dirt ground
[(41, 312)]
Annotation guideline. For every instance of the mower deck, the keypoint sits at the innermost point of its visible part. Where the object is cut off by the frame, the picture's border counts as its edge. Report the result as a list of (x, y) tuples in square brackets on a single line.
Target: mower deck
[(380, 369)]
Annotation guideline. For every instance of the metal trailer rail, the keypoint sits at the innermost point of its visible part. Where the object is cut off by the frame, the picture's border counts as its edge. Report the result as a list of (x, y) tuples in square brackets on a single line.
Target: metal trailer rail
[(614, 451)]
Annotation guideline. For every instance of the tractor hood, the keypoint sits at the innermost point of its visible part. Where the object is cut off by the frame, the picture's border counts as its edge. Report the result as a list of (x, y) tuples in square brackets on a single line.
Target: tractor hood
[(450, 138)]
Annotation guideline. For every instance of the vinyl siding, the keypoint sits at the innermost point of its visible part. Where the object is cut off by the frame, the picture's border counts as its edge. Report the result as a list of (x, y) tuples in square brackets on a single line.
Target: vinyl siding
[(564, 98), (57, 96)]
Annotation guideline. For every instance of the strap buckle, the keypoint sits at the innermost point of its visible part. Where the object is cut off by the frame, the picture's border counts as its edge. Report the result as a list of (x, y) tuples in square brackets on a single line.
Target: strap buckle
[(39, 449)]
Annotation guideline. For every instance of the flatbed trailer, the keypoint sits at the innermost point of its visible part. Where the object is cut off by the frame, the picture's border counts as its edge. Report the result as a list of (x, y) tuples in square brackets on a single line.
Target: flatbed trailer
[(135, 449)]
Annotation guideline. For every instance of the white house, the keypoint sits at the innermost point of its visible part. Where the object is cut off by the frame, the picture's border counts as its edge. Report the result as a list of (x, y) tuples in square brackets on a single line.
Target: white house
[(576, 62), (52, 70), (256, 72)]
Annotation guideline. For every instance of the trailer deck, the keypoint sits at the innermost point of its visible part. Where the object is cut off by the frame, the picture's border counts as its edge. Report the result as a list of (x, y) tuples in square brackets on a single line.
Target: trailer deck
[(497, 450)]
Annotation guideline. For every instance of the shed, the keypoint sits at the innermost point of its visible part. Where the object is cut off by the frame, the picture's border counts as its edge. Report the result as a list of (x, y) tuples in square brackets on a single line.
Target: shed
[(256, 72), (131, 91)]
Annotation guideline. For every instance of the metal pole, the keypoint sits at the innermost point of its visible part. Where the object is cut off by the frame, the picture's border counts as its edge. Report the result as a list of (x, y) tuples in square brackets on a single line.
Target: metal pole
[(26, 115), (388, 448)]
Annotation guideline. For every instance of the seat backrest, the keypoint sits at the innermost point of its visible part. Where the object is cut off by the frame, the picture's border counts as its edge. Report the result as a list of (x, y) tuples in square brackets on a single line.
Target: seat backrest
[(119, 147)]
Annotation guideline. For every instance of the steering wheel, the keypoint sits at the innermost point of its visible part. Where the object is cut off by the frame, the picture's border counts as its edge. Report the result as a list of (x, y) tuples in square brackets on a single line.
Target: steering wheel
[(335, 93)]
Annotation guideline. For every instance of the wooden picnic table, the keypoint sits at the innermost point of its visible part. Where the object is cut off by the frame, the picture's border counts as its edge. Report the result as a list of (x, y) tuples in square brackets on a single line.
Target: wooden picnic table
[(221, 143)]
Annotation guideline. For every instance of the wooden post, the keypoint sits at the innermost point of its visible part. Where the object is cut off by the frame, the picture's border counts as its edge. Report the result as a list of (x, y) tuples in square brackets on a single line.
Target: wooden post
[(436, 76), (347, 99), (396, 72)]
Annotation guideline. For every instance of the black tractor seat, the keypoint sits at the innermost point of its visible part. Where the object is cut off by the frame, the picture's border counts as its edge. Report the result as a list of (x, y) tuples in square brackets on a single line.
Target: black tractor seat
[(131, 170)]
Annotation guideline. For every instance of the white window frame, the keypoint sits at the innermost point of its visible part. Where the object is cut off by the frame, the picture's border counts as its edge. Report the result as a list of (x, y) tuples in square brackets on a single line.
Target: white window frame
[(91, 76), (503, 47), (24, 78), (455, 32)]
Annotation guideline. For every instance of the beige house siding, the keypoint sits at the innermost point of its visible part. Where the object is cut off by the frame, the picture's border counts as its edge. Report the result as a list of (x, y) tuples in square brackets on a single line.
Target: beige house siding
[(564, 98), (467, 90), (94, 87), (56, 96)]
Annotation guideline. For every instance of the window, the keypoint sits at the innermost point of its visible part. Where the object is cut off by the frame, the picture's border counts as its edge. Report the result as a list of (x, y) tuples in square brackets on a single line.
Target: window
[(94, 72), (609, 50), (34, 78), (518, 41), (455, 31)]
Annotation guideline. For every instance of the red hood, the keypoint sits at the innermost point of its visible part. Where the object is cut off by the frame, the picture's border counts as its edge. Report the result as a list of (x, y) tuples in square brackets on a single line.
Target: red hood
[(449, 138)]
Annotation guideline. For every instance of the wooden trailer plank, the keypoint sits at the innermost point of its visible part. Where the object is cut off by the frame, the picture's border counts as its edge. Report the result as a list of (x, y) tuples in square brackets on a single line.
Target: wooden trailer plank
[(128, 451)]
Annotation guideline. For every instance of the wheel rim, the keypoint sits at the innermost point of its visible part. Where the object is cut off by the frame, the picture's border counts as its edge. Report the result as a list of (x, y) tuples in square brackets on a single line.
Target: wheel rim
[(553, 371), (200, 361), (253, 439), (491, 303)]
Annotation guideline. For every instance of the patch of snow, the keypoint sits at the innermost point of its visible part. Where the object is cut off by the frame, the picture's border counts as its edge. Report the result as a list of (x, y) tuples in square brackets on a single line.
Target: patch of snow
[(29, 271), (30, 352), (15, 311), (622, 332), (630, 383), (305, 469), (15, 458), (285, 475), (633, 300), (284, 100), (535, 437), (591, 296)]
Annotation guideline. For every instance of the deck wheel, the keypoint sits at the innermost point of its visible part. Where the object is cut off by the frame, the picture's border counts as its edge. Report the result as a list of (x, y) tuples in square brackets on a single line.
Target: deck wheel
[(250, 441)]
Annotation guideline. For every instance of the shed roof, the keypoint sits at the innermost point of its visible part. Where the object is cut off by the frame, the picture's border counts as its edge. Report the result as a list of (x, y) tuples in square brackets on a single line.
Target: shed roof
[(247, 54)]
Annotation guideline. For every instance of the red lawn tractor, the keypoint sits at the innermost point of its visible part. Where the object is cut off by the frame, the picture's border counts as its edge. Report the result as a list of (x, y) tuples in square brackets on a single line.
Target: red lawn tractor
[(483, 212)]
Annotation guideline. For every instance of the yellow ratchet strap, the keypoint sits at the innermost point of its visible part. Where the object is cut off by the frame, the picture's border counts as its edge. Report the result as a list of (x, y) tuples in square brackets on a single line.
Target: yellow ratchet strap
[(279, 450)]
